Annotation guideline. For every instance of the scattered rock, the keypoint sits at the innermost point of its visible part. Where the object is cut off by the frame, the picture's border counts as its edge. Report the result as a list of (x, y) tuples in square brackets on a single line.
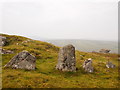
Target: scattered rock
[(110, 65), (23, 60), (67, 59), (104, 51), (2, 40), (3, 51), (87, 65), (27, 41), (17, 43)]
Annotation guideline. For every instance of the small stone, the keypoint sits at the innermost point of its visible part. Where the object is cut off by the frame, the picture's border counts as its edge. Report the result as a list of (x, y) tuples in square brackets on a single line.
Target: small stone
[(118, 58), (110, 65), (3, 51), (17, 43), (2, 41), (87, 65), (27, 41)]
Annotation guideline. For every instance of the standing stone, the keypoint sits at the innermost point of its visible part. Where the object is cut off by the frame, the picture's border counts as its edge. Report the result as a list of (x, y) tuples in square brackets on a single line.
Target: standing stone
[(110, 65), (23, 60), (87, 65), (66, 59)]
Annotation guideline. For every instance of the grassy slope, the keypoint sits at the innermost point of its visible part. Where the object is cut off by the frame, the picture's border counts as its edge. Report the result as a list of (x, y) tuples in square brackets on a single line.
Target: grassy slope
[(45, 76)]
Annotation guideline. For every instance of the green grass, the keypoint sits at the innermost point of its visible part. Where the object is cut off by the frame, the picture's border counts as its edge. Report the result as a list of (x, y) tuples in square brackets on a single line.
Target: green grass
[(45, 76)]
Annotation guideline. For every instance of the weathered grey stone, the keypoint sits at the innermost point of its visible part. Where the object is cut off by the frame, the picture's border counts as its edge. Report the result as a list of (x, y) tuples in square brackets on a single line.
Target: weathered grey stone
[(104, 51), (23, 60), (3, 51), (67, 59), (2, 41), (87, 65), (110, 65)]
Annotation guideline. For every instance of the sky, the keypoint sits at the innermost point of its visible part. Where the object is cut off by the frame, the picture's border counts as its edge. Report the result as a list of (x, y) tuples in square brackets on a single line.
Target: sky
[(60, 19)]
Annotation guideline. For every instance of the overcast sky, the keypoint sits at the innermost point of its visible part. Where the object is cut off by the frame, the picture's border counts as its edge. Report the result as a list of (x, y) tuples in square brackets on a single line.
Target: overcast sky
[(60, 19)]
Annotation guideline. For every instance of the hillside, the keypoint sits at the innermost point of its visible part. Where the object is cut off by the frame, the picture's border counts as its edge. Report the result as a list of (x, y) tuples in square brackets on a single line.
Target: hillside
[(88, 45), (45, 75)]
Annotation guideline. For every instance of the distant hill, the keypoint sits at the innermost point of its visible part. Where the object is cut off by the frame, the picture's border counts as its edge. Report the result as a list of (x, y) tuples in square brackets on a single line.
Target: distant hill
[(88, 45)]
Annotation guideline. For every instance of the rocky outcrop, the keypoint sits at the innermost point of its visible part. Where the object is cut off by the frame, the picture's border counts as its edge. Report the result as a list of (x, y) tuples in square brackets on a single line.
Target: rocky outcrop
[(3, 51), (2, 41), (110, 65), (66, 59), (23, 60), (104, 51), (87, 65)]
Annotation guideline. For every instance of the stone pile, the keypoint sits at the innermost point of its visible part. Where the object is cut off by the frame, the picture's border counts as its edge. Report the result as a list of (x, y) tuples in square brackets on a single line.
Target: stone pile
[(23, 60), (66, 59)]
